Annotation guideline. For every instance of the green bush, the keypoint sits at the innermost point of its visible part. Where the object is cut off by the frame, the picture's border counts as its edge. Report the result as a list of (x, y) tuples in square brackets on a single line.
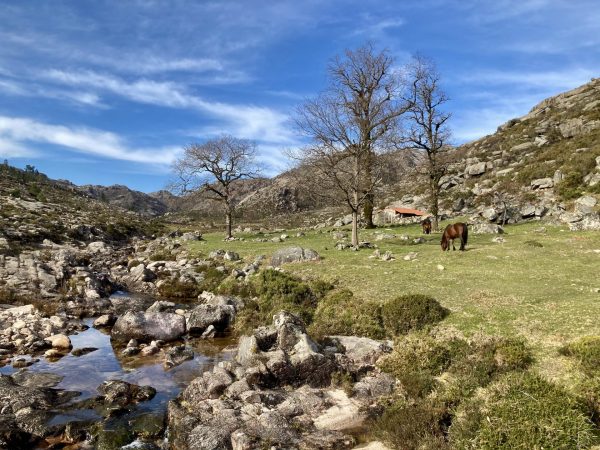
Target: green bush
[(570, 187), (278, 291), (411, 312), (420, 357), (340, 313), (533, 243), (212, 278), (174, 288), (412, 426), (587, 351), (522, 411), (589, 391), (162, 256)]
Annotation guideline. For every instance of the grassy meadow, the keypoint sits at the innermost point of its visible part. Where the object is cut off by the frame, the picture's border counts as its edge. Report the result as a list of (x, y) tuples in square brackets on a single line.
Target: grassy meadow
[(542, 285)]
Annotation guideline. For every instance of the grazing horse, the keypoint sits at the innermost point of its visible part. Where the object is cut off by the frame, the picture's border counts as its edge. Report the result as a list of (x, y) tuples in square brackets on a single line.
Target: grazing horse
[(455, 231), (426, 224)]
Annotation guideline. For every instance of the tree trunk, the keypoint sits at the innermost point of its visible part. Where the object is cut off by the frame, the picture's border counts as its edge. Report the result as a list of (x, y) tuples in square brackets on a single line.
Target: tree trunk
[(369, 197), (368, 211), (435, 199), (355, 228), (228, 221)]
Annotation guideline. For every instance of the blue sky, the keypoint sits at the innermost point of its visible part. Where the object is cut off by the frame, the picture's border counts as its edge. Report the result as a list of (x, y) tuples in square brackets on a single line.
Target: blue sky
[(109, 91)]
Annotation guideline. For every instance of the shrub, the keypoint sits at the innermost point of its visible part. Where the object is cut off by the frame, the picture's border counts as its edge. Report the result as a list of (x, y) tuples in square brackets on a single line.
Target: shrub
[(174, 288), (212, 278), (162, 256), (412, 426), (339, 312), (418, 358), (570, 187), (278, 291), (522, 411), (480, 363), (239, 288), (534, 244), (411, 312), (587, 351), (589, 391)]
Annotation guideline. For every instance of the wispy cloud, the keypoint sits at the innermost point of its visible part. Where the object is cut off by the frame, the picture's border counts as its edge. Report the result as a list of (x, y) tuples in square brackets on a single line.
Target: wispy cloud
[(19, 130), (245, 121), (547, 80), (12, 149), (33, 90)]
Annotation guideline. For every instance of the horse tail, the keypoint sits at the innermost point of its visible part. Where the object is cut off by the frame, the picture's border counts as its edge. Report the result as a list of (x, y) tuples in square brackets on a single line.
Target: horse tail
[(465, 234)]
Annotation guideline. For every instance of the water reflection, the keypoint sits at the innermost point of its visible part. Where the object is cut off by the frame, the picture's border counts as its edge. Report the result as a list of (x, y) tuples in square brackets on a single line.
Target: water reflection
[(85, 373)]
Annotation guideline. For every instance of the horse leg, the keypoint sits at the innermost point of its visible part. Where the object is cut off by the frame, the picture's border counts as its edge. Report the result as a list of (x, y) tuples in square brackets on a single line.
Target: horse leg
[(462, 244), (453, 247)]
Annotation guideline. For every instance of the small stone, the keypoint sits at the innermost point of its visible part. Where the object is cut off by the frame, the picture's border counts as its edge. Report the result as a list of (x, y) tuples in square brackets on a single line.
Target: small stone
[(83, 351), (440, 267), (54, 353), (60, 341), (150, 350), (410, 256)]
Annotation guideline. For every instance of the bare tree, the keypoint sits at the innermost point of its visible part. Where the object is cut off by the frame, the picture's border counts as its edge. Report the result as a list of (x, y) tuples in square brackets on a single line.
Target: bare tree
[(428, 130), (212, 167), (353, 121)]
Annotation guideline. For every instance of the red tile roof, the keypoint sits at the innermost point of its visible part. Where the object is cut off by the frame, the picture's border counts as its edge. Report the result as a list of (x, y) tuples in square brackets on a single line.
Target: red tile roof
[(415, 212)]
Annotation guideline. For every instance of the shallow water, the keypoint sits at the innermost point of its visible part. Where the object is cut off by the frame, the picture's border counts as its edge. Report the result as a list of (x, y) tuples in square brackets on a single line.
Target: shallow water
[(85, 373)]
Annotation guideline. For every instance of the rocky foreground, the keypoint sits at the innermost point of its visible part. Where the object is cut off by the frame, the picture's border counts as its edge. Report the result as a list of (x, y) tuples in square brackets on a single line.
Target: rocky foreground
[(278, 391)]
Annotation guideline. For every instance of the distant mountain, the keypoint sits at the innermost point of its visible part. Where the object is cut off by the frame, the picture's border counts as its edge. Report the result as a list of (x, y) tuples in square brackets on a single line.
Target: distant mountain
[(123, 197)]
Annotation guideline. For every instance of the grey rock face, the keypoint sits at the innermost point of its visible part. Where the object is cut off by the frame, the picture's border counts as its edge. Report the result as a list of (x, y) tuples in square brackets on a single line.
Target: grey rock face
[(486, 228), (476, 169), (202, 316), (293, 254), (585, 204), (542, 183), (148, 326)]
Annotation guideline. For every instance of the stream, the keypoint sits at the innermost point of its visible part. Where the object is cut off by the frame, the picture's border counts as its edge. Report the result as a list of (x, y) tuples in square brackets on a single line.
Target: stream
[(85, 373)]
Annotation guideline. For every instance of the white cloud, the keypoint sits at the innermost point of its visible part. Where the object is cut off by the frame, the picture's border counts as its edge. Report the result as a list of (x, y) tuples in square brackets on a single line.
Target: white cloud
[(547, 80), (245, 121), (32, 90), (12, 149), (82, 140)]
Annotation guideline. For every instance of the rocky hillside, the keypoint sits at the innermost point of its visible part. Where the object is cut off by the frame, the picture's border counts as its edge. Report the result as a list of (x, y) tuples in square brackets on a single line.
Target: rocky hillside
[(544, 163), (539, 163), (34, 208), (123, 197)]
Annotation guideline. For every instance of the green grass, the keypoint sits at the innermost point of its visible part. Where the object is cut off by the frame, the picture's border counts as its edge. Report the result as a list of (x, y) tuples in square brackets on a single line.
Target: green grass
[(544, 294)]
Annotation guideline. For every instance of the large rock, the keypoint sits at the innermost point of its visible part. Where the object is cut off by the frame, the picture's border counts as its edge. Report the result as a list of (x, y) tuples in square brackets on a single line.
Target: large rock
[(585, 204), (476, 169), (124, 301), (293, 254), (589, 222), (202, 316), (148, 326), (140, 274), (360, 353), (485, 228), (247, 403), (542, 183), (490, 214), (121, 393)]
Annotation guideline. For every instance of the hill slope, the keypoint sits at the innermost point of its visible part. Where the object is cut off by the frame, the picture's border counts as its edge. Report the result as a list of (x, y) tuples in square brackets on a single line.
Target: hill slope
[(34, 207)]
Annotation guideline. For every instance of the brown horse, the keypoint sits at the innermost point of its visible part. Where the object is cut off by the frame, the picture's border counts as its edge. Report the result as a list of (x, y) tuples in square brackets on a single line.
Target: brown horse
[(426, 224), (455, 231)]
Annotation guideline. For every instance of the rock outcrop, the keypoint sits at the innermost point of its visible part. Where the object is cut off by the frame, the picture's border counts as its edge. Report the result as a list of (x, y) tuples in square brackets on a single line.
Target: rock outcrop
[(246, 403)]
